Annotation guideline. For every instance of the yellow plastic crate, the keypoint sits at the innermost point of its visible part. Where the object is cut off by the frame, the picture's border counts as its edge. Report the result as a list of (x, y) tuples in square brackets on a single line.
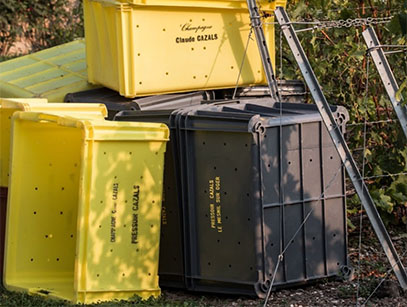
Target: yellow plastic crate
[(9, 106), (50, 73), (84, 207), (156, 46)]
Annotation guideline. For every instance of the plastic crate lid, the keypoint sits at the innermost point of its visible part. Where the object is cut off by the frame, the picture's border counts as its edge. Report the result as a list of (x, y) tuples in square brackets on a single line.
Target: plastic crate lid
[(50, 73)]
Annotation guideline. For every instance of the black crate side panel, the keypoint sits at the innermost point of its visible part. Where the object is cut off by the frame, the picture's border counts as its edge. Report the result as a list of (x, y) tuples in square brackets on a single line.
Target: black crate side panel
[(309, 162), (223, 201)]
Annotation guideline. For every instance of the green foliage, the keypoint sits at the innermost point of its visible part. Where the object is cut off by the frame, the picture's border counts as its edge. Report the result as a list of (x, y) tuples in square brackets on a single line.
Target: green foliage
[(41, 23), (338, 57)]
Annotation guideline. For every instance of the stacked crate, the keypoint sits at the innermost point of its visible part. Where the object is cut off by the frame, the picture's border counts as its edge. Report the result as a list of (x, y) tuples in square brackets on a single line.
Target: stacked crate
[(234, 197)]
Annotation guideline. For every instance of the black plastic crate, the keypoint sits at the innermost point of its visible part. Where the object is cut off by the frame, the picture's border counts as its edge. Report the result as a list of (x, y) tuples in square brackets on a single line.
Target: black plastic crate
[(236, 145), (116, 103), (247, 188), (290, 91)]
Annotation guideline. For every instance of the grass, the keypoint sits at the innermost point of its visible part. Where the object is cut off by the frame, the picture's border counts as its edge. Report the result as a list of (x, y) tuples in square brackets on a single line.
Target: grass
[(8, 298)]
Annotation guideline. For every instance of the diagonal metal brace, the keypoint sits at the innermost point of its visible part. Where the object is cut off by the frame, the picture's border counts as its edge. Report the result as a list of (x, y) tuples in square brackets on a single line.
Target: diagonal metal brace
[(264, 52), (341, 146), (386, 74)]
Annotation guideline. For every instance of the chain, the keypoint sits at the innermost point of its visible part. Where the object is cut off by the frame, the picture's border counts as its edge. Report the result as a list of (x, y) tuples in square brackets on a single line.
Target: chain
[(357, 22), (341, 23)]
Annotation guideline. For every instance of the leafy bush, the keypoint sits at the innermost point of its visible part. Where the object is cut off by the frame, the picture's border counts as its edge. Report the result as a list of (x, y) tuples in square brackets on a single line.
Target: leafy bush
[(40, 23)]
